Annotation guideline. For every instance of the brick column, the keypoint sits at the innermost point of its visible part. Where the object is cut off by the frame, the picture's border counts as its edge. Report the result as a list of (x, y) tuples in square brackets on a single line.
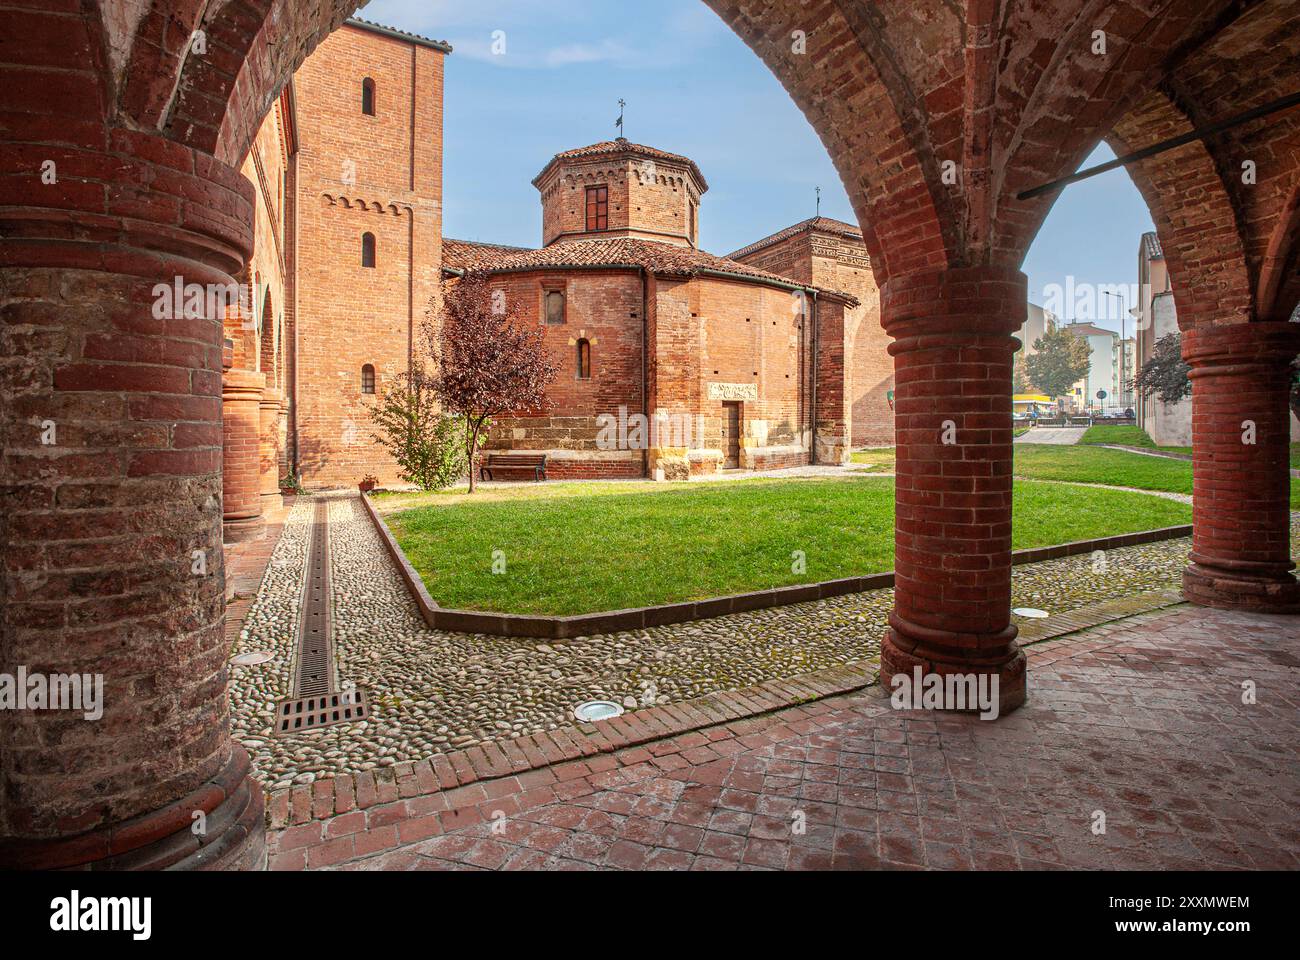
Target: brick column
[(270, 409), (110, 519), (282, 438), (952, 350), (1241, 421), (241, 455)]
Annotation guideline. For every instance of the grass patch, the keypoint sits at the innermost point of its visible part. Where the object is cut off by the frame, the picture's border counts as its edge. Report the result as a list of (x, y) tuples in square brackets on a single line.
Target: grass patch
[(1113, 433), (577, 548), (878, 459), (1116, 468)]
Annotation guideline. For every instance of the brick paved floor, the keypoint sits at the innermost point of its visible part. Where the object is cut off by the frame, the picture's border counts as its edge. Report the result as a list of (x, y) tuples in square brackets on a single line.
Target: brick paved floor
[(1142, 720)]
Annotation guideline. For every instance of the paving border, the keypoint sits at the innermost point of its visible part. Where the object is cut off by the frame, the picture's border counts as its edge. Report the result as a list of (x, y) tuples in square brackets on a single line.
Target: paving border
[(357, 815), (541, 627)]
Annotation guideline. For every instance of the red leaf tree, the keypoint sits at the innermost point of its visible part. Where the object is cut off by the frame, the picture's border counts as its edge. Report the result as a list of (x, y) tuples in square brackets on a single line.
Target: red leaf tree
[(489, 361)]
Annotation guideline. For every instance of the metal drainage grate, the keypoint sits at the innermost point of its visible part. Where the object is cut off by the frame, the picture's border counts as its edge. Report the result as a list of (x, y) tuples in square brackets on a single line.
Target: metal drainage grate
[(314, 653), (316, 702), (311, 713)]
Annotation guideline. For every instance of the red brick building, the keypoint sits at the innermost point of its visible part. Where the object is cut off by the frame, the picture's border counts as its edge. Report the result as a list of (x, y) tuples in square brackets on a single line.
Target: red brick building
[(347, 177), (673, 362), (831, 253)]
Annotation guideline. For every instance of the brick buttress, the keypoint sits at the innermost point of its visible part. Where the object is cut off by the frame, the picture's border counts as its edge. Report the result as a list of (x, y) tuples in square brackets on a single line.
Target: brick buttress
[(953, 349), (1241, 420), (110, 526)]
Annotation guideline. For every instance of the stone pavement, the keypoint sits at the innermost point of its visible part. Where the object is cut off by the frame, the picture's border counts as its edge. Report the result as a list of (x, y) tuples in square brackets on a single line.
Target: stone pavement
[(1063, 436), (1144, 725)]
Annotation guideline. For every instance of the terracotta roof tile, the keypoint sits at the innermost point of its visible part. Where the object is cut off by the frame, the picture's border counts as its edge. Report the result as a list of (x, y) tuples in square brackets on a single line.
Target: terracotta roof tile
[(819, 224), (624, 148), (463, 254), (663, 259)]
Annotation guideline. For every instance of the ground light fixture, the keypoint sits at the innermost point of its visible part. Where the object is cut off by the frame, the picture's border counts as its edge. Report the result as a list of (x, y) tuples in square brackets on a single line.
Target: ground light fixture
[(592, 710), (254, 659), (1030, 613)]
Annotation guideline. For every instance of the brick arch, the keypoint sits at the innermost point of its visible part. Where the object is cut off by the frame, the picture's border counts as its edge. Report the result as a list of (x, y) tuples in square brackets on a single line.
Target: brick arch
[(1278, 293), (1195, 217), (839, 89), (1056, 100), (215, 102), (268, 359)]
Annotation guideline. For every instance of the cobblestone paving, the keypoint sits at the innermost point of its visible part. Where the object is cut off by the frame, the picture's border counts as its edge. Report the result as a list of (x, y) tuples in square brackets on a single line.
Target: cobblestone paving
[(434, 691)]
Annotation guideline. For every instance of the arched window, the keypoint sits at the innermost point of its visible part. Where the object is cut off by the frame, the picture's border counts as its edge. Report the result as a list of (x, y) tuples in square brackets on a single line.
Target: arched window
[(367, 249), (584, 359), (368, 379), (368, 97)]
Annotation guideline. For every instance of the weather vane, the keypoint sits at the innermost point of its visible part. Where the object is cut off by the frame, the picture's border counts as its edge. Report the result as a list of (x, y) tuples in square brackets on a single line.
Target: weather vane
[(819, 201), (619, 122)]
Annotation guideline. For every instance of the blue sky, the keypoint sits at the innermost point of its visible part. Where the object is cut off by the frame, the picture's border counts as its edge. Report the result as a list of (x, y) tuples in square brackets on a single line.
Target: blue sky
[(691, 87)]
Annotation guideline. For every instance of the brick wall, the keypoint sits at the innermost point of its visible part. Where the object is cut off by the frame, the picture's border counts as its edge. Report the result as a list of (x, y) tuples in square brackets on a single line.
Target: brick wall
[(835, 262), (647, 198), (359, 174), (748, 338)]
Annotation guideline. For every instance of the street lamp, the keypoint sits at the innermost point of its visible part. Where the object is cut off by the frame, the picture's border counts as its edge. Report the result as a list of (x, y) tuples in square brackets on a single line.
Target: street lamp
[(1121, 389)]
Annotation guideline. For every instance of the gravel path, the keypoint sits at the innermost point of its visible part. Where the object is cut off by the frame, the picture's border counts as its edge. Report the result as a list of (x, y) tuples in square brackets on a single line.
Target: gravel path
[(434, 691)]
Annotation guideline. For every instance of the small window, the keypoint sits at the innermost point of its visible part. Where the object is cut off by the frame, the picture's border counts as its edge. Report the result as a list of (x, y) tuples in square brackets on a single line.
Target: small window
[(367, 249), (690, 221), (554, 306), (584, 359), (598, 208), (368, 379), (368, 97)]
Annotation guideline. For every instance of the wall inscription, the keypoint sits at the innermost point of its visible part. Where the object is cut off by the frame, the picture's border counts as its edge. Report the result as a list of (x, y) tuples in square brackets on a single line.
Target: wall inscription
[(733, 391)]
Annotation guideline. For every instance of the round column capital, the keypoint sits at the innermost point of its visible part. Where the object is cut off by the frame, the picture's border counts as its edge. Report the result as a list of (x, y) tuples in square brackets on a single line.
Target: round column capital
[(1241, 344), (953, 305)]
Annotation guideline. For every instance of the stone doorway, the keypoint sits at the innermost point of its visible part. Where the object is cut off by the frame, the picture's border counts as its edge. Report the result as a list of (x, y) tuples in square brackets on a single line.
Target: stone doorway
[(731, 426)]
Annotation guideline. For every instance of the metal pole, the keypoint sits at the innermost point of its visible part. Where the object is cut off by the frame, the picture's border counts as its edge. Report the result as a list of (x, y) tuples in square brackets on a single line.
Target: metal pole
[(1273, 106)]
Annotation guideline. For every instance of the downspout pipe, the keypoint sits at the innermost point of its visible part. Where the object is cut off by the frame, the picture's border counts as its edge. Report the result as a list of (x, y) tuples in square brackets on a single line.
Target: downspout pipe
[(645, 369), (812, 453)]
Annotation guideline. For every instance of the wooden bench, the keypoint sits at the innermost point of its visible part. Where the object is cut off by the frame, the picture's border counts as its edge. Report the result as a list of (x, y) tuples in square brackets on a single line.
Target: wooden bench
[(514, 466)]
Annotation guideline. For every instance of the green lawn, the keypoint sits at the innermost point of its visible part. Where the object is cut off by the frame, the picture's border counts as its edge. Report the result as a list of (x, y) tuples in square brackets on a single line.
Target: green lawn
[(576, 548), (1115, 468), (1110, 433), (1098, 465), (878, 459)]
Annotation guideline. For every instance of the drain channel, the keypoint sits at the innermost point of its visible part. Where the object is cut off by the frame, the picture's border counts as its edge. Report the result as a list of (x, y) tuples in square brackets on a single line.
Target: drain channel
[(315, 663), (317, 701)]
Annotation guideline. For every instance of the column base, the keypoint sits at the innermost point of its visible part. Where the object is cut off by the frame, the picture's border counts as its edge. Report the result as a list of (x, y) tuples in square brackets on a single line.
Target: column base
[(1270, 592), (908, 646), (242, 530), (233, 807)]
